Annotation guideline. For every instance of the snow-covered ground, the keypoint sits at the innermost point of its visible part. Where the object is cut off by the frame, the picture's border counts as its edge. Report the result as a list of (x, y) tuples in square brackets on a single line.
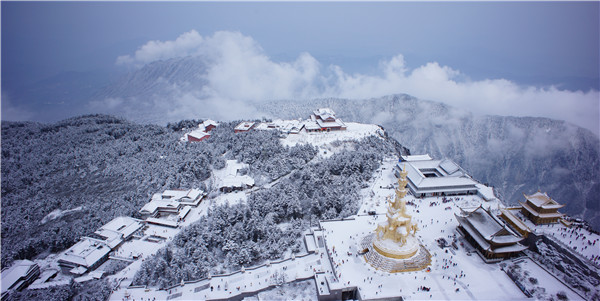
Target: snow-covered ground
[(58, 213), (580, 240), (443, 283), (353, 131), (538, 282), (299, 291), (249, 281)]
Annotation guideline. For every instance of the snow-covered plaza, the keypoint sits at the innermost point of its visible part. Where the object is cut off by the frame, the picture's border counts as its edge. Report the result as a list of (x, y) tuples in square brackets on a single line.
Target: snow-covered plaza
[(455, 273)]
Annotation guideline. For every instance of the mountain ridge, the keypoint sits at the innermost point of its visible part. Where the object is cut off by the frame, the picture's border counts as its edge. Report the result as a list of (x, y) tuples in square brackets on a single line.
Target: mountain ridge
[(514, 154)]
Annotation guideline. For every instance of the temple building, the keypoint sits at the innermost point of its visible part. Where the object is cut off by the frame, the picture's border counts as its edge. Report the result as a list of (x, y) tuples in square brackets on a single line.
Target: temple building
[(119, 230), (18, 276), (244, 126), (541, 209), (428, 177), (324, 120), (86, 255), (492, 238), (172, 202), (393, 247), (513, 221), (197, 136)]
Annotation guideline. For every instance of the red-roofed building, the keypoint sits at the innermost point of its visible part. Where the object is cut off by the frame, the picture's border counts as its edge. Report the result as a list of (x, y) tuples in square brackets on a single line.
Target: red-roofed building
[(324, 120), (197, 136), (208, 125)]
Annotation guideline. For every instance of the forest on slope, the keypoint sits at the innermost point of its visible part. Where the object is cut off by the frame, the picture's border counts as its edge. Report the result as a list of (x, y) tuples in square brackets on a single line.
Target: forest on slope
[(87, 170), (271, 222), (64, 180)]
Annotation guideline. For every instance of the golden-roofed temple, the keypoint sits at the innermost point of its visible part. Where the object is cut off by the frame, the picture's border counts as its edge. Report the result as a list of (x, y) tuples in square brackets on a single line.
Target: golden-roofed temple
[(541, 209)]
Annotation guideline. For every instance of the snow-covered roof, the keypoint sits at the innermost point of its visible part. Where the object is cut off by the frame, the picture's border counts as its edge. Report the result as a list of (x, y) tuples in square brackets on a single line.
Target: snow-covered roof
[(447, 183), (449, 166), (330, 124), (425, 157), (178, 194), (17, 271), (111, 238), (172, 200), (163, 222), (324, 113), (472, 232), (489, 227), (311, 125), (443, 167), (514, 220), (484, 223), (119, 228), (542, 200), (184, 212), (155, 205), (86, 252), (448, 178), (244, 126), (207, 122), (45, 276), (542, 215), (486, 192), (198, 134), (510, 248), (237, 181)]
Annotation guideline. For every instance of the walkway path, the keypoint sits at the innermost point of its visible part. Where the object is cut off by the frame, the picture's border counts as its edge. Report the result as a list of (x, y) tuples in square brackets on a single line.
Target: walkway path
[(240, 284)]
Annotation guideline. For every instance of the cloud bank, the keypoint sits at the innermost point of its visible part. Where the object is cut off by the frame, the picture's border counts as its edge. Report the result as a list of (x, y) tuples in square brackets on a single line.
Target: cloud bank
[(239, 72)]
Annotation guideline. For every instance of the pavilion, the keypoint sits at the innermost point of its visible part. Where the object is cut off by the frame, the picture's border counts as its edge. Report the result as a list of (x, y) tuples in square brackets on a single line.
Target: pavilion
[(541, 209)]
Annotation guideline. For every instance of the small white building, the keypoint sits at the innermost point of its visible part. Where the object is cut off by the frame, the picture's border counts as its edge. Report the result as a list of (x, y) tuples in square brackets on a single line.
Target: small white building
[(85, 255), (18, 276), (236, 183), (191, 197), (230, 180), (244, 126), (120, 229), (171, 202), (428, 177)]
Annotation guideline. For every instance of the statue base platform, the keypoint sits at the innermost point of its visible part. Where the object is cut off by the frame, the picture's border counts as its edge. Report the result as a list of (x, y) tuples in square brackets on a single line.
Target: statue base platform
[(382, 255), (390, 248)]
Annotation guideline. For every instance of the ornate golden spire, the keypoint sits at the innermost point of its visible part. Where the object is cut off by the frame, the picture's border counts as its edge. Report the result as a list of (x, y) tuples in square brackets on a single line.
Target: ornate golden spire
[(393, 247), (399, 224)]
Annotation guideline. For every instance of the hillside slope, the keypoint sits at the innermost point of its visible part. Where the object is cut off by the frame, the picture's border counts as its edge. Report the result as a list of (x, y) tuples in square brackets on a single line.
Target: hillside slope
[(514, 154), (62, 181)]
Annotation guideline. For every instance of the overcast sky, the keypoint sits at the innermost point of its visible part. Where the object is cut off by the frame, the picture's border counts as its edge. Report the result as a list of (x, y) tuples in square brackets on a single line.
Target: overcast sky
[(533, 45)]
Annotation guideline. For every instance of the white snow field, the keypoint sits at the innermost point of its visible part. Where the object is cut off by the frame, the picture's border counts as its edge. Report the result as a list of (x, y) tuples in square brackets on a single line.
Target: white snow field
[(536, 280), (354, 131)]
